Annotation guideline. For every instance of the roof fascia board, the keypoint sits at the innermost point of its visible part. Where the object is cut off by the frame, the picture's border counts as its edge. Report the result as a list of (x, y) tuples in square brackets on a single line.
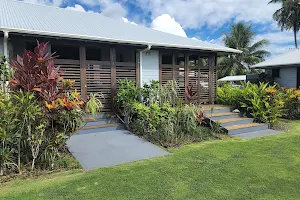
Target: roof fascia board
[(86, 37)]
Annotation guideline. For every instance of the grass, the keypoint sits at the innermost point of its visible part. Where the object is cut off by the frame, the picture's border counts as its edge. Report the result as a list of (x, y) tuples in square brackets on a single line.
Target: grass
[(263, 168)]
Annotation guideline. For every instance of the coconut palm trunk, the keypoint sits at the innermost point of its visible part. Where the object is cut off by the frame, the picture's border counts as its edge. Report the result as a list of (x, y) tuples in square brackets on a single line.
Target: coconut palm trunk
[(295, 35)]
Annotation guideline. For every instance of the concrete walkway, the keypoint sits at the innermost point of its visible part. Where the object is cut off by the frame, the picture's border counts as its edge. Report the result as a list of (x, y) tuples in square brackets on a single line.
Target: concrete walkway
[(104, 149), (256, 134)]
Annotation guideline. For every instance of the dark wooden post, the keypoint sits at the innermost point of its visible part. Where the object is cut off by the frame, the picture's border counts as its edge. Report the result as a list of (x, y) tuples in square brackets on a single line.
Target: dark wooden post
[(173, 65), (160, 67), (211, 85), (200, 65), (186, 70), (137, 68), (82, 57), (113, 74)]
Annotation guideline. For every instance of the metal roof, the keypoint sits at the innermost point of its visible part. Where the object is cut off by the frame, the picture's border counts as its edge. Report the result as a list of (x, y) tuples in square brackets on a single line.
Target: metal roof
[(21, 17), (234, 78), (285, 60)]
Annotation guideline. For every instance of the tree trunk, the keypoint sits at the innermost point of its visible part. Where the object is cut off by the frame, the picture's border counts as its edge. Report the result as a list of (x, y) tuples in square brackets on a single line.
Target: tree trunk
[(33, 162), (295, 36)]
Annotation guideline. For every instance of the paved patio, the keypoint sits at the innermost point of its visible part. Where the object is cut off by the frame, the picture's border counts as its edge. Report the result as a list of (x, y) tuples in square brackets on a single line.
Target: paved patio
[(109, 148)]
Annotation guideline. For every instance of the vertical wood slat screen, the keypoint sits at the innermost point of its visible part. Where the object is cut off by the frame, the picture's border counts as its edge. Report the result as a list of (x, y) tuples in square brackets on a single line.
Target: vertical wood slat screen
[(193, 77), (98, 79), (204, 80), (198, 77), (204, 85), (71, 69), (214, 85), (179, 77), (126, 70), (174, 71), (166, 73)]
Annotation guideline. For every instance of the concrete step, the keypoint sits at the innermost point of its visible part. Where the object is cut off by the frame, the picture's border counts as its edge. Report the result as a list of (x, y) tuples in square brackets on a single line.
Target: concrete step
[(235, 121), (101, 128), (244, 128), (220, 116), (100, 121), (104, 115), (209, 109), (256, 134)]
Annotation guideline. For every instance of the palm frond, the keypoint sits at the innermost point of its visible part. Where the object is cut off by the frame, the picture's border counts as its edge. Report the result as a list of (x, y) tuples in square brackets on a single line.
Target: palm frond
[(259, 45)]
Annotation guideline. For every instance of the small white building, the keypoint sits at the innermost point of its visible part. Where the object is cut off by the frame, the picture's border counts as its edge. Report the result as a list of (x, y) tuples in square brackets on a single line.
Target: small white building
[(285, 69)]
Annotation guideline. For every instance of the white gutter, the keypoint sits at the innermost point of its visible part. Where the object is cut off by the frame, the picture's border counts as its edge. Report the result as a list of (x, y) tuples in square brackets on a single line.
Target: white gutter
[(87, 37), (141, 65)]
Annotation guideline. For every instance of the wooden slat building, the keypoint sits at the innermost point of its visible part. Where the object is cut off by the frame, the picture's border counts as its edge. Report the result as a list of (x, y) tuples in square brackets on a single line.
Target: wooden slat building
[(103, 51)]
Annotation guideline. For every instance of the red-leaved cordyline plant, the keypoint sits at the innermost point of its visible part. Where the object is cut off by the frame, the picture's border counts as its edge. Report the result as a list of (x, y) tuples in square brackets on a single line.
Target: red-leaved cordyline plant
[(36, 72), (189, 93)]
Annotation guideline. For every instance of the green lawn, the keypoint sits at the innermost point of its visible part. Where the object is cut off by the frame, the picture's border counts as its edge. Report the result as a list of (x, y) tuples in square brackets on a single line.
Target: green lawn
[(264, 168)]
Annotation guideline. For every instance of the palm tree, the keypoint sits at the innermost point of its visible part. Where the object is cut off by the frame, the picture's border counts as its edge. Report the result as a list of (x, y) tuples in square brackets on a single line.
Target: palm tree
[(241, 37), (288, 16)]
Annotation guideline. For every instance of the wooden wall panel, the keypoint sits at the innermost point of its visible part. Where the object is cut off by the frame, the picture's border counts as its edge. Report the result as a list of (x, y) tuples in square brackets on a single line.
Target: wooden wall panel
[(193, 78), (204, 80), (83, 85), (126, 70), (71, 69), (98, 79)]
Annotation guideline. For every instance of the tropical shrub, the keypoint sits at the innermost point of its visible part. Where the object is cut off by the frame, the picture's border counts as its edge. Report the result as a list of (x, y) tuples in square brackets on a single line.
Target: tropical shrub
[(264, 102), (168, 126), (40, 113), (156, 113), (127, 94), (229, 95), (261, 101), (291, 103)]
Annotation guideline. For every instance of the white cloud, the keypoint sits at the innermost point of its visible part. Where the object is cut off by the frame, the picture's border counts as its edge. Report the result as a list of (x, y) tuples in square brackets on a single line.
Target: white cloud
[(76, 7), (127, 21), (79, 8), (278, 37), (45, 2), (114, 10), (89, 2), (168, 24), (109, 8), (214, 13), (280, 42)]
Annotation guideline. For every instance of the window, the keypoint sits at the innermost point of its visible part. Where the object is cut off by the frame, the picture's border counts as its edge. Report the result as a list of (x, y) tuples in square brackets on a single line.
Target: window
[(66, 52), (93, 54), (30, 46), (180, 59), (275, 73), (125, 54), (166, 59)]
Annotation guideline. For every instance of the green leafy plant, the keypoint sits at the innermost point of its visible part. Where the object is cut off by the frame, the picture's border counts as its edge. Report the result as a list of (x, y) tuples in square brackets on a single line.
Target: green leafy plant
[(160, 116), (291, 103), (261, 101), (127, 94), (40, 113), (94, 104)]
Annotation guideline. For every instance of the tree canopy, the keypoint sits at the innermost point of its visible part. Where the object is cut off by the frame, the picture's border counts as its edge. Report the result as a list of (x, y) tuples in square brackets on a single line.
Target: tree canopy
[(242, 37), (288, 16)]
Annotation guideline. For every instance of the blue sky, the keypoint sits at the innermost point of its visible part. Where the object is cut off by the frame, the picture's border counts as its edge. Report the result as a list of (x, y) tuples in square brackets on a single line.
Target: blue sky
[(200, 19)]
